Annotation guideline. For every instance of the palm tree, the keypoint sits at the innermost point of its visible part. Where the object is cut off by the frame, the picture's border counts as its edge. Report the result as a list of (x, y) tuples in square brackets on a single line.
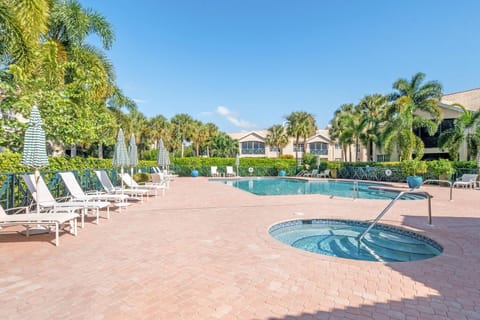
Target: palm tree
[(277, 137), (182, 128), (410, 98), (372, 109), (301, 124), (200, 136), (21, 24), (340, 130), (463, 131)]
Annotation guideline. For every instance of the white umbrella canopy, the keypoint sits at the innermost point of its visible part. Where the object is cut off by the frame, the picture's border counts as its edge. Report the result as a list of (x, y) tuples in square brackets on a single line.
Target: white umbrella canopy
[(34, 146), (163, 158), (34, 153), (132, 153), (120, 153), (237, 161)]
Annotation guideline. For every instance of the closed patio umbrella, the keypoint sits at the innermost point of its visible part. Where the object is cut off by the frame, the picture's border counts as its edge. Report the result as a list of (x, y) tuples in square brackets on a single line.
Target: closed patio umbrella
[(35, 147), (163, 158), (120, 154), (132, 153), (237, 162)]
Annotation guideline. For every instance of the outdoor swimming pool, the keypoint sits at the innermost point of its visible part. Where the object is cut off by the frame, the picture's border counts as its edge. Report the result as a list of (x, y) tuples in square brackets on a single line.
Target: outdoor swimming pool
[(280, 186), (338, 238)]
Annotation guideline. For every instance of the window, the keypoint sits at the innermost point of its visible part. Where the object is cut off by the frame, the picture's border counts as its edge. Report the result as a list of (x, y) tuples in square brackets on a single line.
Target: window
[(253, 147), (274, 149), (338, 146), (319, 148), (298, 147), (383, 157), (432, 141)]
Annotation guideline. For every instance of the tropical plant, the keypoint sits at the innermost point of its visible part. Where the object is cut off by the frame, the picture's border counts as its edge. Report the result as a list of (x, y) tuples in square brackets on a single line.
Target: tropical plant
[(403, 115), (277, 137), (412, 167), (223, 146), (463, 131), (441, 167)]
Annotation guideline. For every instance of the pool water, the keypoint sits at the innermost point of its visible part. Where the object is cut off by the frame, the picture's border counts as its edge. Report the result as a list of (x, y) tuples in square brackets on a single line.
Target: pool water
[(338, 238), (279, 186)]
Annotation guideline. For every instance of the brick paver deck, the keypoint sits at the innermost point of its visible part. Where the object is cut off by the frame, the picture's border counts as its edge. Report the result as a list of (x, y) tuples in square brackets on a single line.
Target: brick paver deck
[(203, 252)]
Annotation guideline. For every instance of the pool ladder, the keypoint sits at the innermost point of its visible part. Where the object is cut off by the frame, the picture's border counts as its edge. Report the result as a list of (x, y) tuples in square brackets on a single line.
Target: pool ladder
[(390, 205)]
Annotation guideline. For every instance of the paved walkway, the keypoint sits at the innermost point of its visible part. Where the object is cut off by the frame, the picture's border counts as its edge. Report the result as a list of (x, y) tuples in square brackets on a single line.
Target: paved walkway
[(203, 252)]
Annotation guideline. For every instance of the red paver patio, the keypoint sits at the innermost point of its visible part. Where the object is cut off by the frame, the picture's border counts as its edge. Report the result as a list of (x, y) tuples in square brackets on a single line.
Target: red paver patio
[(203, 252)]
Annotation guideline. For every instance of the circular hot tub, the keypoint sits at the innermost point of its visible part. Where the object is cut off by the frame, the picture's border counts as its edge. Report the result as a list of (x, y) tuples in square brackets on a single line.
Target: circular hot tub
[(339, 238)]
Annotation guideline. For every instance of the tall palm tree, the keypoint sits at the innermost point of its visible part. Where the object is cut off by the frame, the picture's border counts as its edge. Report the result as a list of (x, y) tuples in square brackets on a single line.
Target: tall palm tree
[(403, 115), (200, 136), (277, 137), (301, 124), (372, 109), (340, 128), (463, 131), (182, 128)]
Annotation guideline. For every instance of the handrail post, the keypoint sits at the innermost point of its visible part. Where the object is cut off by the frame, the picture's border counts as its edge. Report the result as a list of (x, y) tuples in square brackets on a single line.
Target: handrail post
[(384, 211), (430, 209)]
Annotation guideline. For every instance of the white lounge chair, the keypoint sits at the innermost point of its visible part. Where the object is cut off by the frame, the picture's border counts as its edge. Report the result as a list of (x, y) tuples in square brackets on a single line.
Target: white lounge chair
[(213, 171), (230, 172), (42, 196), (57, 220), (77, 192), (108, 186), (324, 174), (133, 185), (466, 181), (313, 173)]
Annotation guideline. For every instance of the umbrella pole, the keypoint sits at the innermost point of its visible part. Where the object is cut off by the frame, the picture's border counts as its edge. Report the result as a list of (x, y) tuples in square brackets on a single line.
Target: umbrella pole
[(37, 179)]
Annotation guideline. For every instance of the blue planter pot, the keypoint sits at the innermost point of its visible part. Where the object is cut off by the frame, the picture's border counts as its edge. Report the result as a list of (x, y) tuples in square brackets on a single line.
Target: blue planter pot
[(414, 181), (282, 173), (194, 173)]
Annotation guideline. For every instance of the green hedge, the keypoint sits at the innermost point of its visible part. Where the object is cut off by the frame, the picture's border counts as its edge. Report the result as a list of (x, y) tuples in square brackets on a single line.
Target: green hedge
[(10, 163)]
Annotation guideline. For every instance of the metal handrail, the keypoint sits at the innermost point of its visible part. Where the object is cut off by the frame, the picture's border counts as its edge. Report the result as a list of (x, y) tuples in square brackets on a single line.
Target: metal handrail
[(355, 189), (384, 211), (450, 184)]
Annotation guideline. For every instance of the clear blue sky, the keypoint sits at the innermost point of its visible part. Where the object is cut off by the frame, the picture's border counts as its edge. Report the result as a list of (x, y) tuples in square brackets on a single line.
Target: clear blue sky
[(246, 64)]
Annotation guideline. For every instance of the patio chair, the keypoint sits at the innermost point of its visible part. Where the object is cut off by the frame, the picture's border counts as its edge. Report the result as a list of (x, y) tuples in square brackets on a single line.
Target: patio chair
[(57, 220), (313, 173), (108, 186), (324, 174), (160, 178), (213, 171), (466, 181), (77, 192), (45, 200), (134, 185), (230, 172)]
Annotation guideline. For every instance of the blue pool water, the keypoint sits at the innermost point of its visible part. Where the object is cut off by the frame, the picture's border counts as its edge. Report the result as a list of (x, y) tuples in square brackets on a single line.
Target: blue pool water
[(338, 238), (278, 186)]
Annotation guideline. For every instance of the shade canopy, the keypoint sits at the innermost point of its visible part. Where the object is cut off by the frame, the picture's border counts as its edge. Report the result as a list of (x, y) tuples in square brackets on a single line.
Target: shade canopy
[(163, 159), (34, 146), (132, 151), (120, 155)]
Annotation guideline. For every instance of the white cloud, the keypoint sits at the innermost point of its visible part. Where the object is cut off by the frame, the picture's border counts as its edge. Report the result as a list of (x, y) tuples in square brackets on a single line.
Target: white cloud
[(139, 100), (233, 119)]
